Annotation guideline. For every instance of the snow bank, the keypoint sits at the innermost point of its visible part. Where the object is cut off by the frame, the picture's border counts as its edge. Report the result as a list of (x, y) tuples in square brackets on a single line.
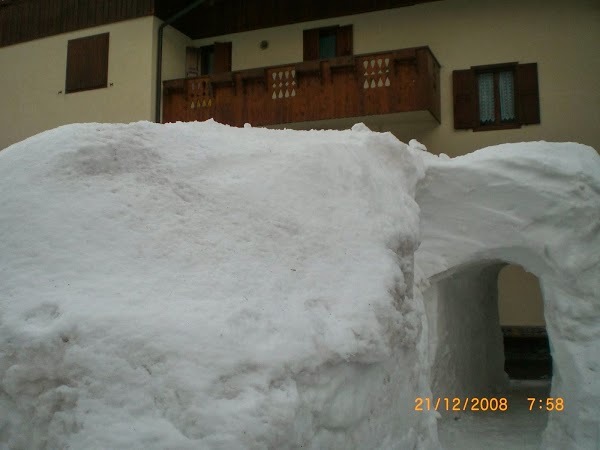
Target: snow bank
[(201, 286), (532, 204)]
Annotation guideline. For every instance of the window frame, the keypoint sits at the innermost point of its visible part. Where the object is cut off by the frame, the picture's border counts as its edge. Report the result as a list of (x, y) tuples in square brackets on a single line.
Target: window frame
[(327, 31), (495, 70), (85, 73), (196, 57), (204, 54), (465, 96), (344, 36)]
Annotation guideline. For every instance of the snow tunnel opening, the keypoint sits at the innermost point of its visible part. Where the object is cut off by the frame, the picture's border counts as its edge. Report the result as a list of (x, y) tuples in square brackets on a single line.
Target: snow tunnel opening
[(466, 343), (487, 327), (466, 311)]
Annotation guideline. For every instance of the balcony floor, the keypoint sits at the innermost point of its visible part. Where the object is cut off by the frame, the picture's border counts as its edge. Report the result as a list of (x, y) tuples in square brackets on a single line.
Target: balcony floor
[(381, 122)]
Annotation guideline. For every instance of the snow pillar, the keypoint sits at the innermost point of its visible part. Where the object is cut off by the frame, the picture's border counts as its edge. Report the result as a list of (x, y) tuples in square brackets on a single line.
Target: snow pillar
[(574, 336)]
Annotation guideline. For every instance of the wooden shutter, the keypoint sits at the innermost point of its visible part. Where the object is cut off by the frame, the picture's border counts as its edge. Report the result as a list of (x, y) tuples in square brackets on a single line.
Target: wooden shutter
[(344, 41), (87, 63), (463, 85), (192, 62), (222, 57), (311, 44), (528, 98)]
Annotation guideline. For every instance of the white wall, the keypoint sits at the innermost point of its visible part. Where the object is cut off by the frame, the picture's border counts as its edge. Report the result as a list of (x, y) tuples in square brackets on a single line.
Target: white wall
[(32, 82)]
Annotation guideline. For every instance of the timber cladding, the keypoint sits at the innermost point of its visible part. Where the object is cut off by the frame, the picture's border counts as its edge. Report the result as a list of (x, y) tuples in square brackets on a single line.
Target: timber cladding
[(26, 20)]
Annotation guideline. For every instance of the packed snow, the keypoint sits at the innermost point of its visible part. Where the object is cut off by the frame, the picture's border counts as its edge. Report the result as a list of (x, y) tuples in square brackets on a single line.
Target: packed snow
[(534, 204), (518, 428), (202, 286)]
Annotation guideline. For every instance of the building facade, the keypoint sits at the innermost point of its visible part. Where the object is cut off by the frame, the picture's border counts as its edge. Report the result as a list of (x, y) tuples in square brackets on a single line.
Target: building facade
[(558, 37), (38, 40)]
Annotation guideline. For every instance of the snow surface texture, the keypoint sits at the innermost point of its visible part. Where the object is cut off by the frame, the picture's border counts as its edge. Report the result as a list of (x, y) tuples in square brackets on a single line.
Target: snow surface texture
[(536, 205), (202, 286)]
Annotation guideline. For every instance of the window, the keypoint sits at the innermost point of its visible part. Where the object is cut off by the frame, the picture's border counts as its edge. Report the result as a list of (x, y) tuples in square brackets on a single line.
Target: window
[(87, 63), (496, 92), (329, 42), (496, 97), (208, 59)]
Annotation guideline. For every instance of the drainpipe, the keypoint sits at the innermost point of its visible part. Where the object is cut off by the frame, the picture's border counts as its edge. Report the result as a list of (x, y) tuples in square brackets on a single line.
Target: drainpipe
[(161, 29)]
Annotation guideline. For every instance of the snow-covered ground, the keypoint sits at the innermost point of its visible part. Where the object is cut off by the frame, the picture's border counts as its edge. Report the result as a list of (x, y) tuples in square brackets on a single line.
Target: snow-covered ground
[(202, 286), (519, 428)]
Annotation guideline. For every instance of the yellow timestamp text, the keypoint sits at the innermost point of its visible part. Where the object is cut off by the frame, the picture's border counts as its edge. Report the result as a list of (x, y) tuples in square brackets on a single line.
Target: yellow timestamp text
[(546, 404), (461, 404)]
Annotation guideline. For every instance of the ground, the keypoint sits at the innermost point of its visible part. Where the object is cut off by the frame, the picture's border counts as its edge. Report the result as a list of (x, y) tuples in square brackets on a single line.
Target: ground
[(518, 428)]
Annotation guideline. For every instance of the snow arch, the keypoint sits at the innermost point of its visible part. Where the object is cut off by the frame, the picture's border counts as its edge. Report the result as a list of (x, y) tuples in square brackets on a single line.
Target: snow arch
[(537, 205)]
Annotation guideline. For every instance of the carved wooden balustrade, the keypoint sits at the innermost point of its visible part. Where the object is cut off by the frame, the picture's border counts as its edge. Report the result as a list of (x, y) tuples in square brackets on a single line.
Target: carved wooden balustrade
[(361, 85)]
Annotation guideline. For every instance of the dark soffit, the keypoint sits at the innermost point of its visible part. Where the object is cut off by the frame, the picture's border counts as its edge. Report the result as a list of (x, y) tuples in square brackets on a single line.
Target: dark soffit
[(218, 17)]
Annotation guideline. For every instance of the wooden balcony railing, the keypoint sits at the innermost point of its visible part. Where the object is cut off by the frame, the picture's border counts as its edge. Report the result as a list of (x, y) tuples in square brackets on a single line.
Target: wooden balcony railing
[(362, 85)]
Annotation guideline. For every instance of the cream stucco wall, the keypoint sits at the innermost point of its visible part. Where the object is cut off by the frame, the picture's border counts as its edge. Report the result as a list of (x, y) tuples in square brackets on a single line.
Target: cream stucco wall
[(32, 79), (520, 297), (32, 82)]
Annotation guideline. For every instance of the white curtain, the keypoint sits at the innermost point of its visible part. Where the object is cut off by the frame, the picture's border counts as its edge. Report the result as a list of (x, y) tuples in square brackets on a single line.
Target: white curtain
[(507, 96), (486, 98)]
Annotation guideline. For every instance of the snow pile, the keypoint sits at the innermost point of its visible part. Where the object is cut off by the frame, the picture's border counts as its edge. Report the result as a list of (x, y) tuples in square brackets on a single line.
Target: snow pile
[(533, 204), (201, 286)]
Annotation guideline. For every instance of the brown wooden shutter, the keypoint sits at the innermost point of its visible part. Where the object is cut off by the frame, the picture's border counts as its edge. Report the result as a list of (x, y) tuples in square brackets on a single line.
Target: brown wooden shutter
[(87, 63), (311, 44), (344, 41), (528, 94), (463, 85), (222, 57), (192, 62)]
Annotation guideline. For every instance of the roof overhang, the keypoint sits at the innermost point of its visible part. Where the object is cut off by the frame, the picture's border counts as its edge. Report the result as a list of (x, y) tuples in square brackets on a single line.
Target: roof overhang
[(220, 17)]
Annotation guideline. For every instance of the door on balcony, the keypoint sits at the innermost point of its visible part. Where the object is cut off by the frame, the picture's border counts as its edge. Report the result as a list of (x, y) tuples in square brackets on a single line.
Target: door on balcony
[(328, 42), (215, 58)]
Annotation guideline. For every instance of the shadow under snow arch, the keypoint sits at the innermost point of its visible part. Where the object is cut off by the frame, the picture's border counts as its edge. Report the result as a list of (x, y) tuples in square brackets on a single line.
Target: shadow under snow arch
[(536, 205)]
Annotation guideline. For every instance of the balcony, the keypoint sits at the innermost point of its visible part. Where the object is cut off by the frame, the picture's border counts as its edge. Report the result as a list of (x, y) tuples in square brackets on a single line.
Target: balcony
[(387, 84)]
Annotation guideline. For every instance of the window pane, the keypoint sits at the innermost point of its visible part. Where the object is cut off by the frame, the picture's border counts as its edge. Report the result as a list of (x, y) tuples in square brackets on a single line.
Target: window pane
[(327, 45), (507, 96), (208, 60), (486, 98)]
